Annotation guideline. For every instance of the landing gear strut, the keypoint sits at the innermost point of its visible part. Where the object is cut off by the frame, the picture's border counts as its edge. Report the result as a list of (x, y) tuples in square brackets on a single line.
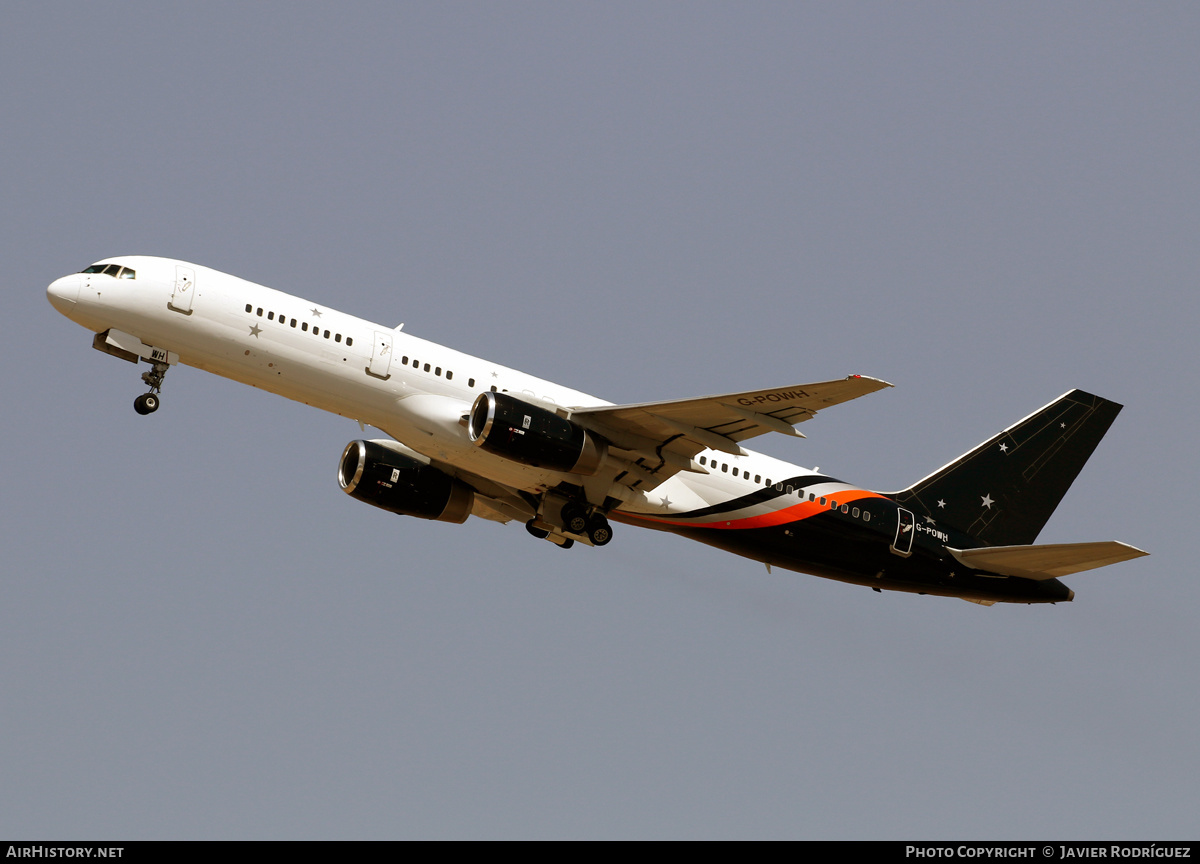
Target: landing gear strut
[(147, 403)]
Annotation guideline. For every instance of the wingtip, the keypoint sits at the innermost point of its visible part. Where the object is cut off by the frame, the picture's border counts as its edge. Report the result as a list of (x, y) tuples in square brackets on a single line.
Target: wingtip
[(878, 381)]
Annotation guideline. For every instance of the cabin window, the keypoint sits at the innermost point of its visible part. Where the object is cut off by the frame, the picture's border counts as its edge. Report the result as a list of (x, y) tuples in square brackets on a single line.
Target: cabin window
[(304, 326), (249, 308), (349, 340), (337, 338), (822, 501), (725, 467), (293, 323), (758, 479), (426, 367), (470, 382), (270, 316), (449, 375), (438, 371), (326, 334), (845, 508), (735, 472), (259, 313), (854, 513)]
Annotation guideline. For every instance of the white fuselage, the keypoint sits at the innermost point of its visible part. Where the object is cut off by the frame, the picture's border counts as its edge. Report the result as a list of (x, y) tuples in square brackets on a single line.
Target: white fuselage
[(415, 390)]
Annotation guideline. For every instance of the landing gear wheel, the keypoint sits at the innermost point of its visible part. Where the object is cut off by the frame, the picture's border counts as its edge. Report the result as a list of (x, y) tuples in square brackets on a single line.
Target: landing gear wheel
[(147, 403), (536, 532), (599, 531), (574, 518)]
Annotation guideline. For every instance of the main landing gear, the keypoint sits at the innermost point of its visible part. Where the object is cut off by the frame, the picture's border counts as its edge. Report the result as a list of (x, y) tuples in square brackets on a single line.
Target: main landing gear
[(147, 403), (598, 530), (575, 520)]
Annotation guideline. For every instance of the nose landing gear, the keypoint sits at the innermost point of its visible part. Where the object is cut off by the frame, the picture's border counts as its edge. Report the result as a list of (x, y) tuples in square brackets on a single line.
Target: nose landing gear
[(147, 403)]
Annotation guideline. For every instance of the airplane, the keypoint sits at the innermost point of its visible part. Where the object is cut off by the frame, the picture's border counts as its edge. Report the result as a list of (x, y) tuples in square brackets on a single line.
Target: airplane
[(471, 437)]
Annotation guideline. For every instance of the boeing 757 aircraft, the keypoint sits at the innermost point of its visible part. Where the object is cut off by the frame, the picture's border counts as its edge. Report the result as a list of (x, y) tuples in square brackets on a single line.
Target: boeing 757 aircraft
[(470, 437)]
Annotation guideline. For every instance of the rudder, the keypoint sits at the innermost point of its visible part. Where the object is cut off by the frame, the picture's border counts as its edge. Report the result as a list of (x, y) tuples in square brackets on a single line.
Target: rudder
[(1004, 491)]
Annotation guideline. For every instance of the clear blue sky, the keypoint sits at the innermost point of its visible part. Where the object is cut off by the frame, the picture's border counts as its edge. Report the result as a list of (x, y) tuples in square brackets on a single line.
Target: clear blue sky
[(985, 204)]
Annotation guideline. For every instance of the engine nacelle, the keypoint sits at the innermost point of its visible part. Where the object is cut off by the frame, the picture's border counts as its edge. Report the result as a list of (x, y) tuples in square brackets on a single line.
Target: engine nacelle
[(507, 426), (384, 478)]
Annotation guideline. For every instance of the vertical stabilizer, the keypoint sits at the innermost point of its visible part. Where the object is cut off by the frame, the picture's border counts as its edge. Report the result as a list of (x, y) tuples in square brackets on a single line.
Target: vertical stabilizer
[(1003, 492)]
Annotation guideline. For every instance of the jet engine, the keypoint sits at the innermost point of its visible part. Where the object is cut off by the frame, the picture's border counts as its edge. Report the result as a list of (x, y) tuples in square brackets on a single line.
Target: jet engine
[(384, 478), (509, 427)]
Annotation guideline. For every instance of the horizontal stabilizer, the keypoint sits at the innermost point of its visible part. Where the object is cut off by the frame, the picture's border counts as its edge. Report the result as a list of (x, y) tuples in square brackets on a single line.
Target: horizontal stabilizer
[(1047, 561)]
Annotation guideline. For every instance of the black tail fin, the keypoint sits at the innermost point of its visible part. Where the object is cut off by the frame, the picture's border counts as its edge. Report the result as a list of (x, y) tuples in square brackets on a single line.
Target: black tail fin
[(1003, 491)]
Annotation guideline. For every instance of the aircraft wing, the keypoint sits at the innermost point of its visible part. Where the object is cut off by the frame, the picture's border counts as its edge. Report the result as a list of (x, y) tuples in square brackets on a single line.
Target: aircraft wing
[(660, 438)]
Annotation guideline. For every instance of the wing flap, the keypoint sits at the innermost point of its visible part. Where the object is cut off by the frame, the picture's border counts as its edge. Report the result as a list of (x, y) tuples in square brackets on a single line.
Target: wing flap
[(1046, 561)]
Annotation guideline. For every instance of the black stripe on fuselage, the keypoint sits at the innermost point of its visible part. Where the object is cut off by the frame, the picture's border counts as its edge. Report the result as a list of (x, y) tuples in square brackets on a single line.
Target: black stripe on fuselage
[(758, 496)]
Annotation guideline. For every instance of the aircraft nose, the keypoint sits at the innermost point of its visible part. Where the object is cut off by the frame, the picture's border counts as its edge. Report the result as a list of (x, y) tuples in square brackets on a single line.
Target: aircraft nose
[(64, 293)]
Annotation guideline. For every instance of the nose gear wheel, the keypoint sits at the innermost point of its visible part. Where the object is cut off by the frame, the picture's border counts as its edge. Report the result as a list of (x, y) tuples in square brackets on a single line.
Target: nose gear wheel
[(148, 403)]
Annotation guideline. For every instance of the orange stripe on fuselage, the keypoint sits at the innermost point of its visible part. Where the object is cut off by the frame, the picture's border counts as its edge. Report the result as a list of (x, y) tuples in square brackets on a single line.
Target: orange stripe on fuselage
[(794, 513)]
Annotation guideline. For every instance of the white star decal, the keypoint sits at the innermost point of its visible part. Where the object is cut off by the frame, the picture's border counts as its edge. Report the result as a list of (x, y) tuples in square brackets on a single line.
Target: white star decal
[(1003, 448), (255, 330), (929, 520), (666, 501), (316, 312), (942, 504), (987, 501), (1062, 425)]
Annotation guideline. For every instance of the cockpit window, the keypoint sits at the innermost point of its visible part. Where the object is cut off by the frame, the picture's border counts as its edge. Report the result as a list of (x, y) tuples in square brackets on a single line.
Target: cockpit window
[(114, 270)]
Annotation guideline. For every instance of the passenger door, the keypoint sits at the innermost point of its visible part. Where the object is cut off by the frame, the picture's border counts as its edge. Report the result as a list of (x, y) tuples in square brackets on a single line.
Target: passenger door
[(185, 289), (905, 529), (381, 356)]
